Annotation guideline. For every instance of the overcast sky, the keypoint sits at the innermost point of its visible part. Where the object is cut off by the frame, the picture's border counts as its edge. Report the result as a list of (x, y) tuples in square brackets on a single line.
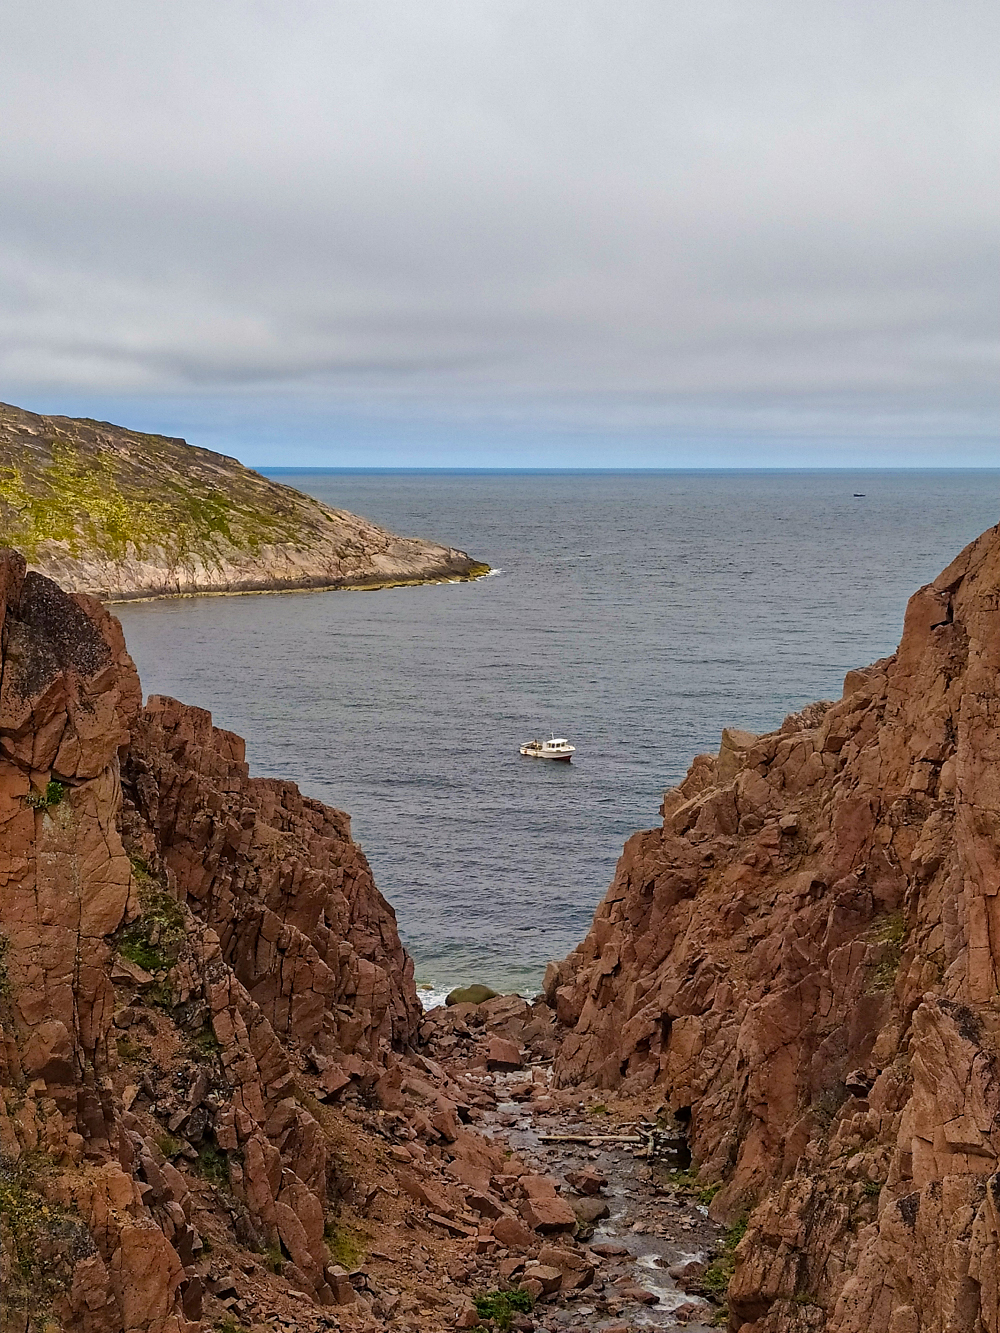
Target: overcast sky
[(480, 233)]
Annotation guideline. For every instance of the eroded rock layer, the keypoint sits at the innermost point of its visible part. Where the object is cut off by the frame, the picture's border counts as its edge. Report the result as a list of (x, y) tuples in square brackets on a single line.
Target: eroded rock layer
[(804, 960)]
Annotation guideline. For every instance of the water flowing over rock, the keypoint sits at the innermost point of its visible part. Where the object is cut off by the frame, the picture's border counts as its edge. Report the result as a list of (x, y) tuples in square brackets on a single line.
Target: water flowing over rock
[(804, 962)]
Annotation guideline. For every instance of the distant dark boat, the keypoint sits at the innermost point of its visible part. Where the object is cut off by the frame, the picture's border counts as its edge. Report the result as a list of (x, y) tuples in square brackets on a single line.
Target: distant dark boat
[(859, 495)]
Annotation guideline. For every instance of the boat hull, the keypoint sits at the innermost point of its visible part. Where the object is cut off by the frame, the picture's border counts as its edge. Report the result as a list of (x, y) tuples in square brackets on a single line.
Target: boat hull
[(552, 758)]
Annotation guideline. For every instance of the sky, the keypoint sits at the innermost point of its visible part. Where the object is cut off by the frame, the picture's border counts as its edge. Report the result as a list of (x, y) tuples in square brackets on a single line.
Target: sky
[(493, 233)]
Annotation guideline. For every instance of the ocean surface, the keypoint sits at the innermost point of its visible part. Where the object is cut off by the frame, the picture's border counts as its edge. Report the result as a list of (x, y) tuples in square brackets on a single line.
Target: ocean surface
[(635, 613)]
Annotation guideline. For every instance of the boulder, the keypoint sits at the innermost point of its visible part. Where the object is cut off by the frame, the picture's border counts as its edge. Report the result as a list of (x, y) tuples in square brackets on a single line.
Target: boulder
[(590, 1210), (547, 1277), (503, 1055), (476, 994), (548, 1214), (587, 1181), (511, 1232)]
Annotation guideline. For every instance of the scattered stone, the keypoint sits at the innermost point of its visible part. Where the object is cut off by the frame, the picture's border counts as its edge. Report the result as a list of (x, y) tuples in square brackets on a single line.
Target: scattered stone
[(545, 1275)]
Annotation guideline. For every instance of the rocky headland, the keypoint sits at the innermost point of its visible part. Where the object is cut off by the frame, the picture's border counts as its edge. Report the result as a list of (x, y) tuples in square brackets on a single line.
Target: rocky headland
[(221, 1106), (120, 515)]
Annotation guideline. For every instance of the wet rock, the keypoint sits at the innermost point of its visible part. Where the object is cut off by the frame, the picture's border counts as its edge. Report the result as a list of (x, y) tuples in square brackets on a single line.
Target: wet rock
[(639, 1295), (587, 1181), (590, 1210)]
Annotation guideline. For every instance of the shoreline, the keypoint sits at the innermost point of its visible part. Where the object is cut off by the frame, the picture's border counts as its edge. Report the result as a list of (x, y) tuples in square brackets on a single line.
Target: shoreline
[(476, 572)]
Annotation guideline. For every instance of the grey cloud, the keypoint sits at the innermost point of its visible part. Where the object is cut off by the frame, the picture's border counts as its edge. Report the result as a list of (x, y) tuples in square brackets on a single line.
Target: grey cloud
[(711, 217)]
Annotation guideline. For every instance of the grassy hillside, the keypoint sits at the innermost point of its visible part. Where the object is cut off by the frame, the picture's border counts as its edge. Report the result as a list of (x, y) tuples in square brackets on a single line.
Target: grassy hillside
[(134, 514)]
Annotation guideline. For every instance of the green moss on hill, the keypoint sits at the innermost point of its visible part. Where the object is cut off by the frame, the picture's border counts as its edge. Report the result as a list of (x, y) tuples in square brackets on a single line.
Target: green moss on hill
[(121, 514), (90, 501)]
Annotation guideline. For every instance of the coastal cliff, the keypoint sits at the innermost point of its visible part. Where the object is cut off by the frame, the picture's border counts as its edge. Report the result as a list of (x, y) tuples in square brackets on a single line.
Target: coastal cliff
[(119, 514), (174, 935), (803, 962), (222, 1109), (221, 1106)]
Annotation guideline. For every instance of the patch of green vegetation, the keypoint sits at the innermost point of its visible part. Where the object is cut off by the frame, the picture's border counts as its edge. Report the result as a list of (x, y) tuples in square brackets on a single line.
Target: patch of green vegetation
[(686, 1182), (74, 502), (204, 1041), (153, 941), (41, 1243), (47, 799), (891, 930), (167, 1144), (717, 1275), (212, 1164), (872, 1189), (132, 1051), (598, 1108), (4, 975), (86, 500), (346, 1246), (502, 1306), (274, 1259), (229, 1324), (161, 996), (891, 934)]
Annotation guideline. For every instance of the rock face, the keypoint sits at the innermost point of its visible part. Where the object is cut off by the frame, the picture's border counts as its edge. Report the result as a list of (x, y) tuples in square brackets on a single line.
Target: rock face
[(804, 961), (193, 963), (119, 515)]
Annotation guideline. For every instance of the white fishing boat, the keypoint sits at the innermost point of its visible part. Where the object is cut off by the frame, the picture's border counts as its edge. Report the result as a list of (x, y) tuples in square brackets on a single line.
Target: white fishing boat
[(556, 747)]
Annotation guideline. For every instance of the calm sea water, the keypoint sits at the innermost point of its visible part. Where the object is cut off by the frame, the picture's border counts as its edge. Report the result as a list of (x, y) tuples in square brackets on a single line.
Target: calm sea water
[(635, 613)]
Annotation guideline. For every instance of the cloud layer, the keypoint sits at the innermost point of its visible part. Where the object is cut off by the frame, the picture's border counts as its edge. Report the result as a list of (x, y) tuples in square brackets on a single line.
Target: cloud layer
[(636, 223)]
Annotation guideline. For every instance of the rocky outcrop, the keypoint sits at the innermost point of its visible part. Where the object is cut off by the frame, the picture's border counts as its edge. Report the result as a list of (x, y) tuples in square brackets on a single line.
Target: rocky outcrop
[(221, 1106), (803, 962), (194, 963), (119, 514)]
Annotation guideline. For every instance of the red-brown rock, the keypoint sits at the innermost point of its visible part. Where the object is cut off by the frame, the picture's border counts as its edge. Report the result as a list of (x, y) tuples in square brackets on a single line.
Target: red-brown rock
[(512, 1233), (804, 960), (548, 1214), (503, 1054)]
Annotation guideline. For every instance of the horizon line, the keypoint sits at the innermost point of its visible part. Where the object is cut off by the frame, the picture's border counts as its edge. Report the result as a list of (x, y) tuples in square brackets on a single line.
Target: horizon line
[(266, 468)]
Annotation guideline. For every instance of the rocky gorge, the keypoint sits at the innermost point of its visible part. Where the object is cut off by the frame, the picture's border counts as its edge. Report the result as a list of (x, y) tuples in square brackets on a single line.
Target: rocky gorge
[(221, 1105)]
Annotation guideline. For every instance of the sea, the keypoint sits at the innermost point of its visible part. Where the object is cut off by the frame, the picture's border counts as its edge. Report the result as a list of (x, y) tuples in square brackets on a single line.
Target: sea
[(635, 613)]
